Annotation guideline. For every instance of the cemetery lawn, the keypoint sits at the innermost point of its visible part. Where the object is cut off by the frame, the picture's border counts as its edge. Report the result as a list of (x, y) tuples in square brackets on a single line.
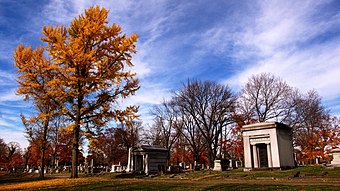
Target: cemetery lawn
[(308, 178)]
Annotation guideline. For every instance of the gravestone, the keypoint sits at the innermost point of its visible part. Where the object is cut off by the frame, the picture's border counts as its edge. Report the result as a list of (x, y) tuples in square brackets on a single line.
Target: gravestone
[(267, 145), (116, 168), (217, 165)]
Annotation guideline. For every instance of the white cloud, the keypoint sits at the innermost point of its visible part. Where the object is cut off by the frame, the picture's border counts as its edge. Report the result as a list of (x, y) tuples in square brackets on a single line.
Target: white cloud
[(282, 25), (7, 78), (9, 95), (58, 11), (5, 123), (15, 136), (151, 95), (7, 46), (282, 41)]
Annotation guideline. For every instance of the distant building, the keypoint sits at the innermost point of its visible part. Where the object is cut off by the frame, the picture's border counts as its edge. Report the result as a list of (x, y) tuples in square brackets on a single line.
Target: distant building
[(267, 145), (148, 159)]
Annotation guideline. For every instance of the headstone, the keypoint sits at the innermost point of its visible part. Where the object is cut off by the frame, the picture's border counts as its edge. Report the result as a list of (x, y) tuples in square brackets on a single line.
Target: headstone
[(113, 168), (217, 165), (239, 164), (336, 157)]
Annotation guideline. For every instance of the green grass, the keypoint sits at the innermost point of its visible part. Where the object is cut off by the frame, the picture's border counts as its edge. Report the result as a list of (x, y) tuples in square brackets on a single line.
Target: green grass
[(185, 185), (307, 171), (199, 180)]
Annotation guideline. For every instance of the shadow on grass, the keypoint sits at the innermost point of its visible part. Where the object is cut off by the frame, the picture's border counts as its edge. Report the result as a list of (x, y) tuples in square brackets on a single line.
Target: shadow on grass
[(129, 176), (175, 186), (270, 187), (21, 177)]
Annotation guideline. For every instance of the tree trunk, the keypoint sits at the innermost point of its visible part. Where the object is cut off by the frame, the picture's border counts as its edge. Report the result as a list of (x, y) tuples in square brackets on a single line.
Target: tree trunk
[(42, 168), (75, 150), (76, 130), (43, 148), (211, 159)]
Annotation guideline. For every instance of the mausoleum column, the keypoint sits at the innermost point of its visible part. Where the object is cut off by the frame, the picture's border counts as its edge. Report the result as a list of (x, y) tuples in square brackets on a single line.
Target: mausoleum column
[(269, 153), (146, 162), (143, 162), (255, 157), (129, 169)]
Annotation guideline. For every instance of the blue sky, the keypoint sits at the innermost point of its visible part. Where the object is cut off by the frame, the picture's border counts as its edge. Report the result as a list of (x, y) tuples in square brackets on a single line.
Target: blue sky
[(224, 41)]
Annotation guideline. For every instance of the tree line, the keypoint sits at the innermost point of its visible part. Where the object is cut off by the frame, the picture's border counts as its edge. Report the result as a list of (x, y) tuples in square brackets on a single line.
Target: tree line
[(10, 155), (204, 119), (77, 80), (200, 123)]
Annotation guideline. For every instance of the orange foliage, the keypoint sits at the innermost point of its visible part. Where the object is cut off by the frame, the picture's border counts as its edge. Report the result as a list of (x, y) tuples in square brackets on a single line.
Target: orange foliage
[(320, 141), (85, 73)]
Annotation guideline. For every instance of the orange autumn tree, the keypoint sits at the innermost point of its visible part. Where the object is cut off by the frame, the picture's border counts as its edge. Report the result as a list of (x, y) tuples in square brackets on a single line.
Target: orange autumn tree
[(37, 128), (89, 63), (32, 86)]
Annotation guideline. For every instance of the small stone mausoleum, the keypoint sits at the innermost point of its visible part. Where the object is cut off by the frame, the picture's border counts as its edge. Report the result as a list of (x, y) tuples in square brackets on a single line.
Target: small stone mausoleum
[(147, 159), (267, 145), (336, 157)]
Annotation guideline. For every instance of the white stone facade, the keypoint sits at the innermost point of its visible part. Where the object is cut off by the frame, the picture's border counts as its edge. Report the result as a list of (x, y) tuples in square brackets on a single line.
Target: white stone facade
[(336, 157), (148, 160), (267, 145), (217, 165)]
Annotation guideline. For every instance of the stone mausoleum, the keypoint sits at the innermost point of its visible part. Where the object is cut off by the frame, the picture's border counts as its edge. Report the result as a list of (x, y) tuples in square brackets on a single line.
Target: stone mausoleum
[(267, 145), (336, 157), (147, 159)]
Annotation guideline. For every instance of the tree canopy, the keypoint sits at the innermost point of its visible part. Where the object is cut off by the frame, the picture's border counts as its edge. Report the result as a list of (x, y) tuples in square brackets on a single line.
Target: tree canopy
[(83, 71)]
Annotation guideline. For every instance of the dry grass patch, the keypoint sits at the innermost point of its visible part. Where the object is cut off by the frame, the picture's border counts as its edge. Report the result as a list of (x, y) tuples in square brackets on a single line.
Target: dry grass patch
[(51, 183)]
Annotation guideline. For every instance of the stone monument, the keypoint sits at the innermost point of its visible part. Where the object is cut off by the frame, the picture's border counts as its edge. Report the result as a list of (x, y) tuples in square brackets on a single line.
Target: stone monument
[(149, 160), (336, 157), (217, 165), (116, 168), (267, 145), (129, 167)]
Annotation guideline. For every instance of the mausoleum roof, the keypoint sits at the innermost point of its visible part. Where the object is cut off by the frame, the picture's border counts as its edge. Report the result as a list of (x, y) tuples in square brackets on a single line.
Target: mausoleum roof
[(151, 148), (265, 125)]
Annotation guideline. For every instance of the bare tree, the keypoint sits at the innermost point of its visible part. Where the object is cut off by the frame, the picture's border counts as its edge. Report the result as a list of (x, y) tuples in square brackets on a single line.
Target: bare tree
[(147, 135), (210, 106), (266, 97), (14, 154), (192, 135), (165, 126), (310, 123)]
